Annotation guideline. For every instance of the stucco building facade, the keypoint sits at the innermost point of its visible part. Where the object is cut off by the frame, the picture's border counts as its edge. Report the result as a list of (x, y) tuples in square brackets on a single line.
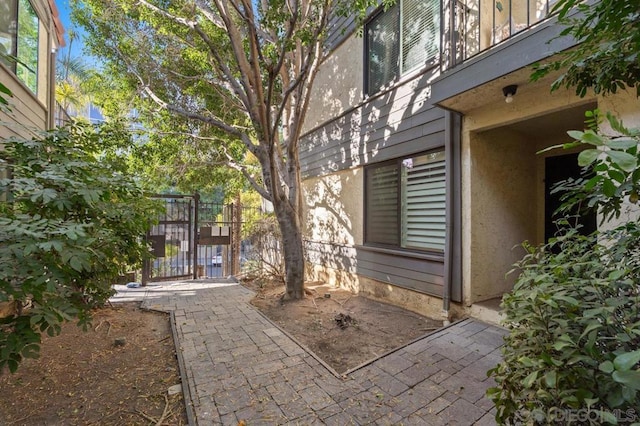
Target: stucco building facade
[(420, 180)]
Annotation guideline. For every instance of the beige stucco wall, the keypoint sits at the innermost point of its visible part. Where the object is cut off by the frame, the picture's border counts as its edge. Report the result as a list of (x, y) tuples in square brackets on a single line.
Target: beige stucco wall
[(333, 207), (338, 84), (502, 211), (625, 106), (503, 185)]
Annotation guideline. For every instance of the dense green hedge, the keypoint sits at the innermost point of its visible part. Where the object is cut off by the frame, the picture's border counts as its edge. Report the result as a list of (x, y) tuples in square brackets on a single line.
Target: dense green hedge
[(71, 222)]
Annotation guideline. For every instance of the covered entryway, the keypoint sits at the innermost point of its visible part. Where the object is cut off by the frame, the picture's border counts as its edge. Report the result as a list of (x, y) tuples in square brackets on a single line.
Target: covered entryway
[(508, 199), (557, 169)]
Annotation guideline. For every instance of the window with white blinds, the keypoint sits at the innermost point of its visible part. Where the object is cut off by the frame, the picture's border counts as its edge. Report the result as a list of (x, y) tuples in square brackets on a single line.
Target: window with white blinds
[(405, 203), (383, 41), (401, 39), (423, 202)]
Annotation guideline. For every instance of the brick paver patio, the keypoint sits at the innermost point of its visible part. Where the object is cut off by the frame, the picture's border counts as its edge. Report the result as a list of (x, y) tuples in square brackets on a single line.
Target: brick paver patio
[(237, 365)]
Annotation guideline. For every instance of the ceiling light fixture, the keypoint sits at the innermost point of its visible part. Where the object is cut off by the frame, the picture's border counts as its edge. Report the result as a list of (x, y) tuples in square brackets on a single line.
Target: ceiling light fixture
[(509, 92)]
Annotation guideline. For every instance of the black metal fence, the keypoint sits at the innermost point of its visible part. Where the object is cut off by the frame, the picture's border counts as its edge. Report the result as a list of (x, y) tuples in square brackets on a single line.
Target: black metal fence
[(195, 238), (471, 26), (172, 240)]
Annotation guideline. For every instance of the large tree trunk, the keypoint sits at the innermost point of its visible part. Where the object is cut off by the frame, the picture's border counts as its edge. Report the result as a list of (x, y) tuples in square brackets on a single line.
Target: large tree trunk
[(292, 249)]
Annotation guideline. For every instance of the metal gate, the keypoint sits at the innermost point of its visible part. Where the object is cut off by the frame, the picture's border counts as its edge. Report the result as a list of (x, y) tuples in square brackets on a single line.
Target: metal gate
[(172, 240), (194, 239), (216, 240)]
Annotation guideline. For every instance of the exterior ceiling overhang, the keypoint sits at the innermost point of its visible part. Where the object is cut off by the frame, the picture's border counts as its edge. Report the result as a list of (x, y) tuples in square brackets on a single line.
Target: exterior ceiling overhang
[(479, 80), (57, 23)]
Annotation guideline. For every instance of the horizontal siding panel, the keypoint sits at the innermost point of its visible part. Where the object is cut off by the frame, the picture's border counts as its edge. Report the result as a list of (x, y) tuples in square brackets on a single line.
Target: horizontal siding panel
[(412, 263), (423, 275), (397, 271), (390, 106), (325, 164), (432, 288), (341, 131), (341, 141), (398, 123), (26, 109)]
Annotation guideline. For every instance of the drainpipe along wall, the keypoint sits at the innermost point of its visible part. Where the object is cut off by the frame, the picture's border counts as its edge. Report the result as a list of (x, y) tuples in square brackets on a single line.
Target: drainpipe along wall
[(453, 250)]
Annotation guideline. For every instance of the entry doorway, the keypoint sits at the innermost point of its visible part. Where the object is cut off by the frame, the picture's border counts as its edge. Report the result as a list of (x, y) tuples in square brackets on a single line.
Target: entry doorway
[(557, 169)]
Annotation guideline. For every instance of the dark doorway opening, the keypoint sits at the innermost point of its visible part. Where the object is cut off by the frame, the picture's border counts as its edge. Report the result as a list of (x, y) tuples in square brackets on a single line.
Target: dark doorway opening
[(557, 169)]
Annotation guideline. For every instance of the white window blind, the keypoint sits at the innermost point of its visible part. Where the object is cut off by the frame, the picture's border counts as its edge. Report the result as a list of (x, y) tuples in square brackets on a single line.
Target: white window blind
[(383, 41), (423, 202), (401, 39), (406, 203), (420, 32)]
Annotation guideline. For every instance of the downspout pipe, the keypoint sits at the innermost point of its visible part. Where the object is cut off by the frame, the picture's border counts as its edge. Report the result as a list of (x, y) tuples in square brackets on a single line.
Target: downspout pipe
[(448, 245), (452, 222)]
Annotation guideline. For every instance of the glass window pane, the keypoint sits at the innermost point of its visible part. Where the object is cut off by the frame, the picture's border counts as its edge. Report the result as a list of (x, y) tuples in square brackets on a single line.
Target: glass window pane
[(424, 202), (8, 26), (383, 49), (382, 205), (420, 32), (27, 53)]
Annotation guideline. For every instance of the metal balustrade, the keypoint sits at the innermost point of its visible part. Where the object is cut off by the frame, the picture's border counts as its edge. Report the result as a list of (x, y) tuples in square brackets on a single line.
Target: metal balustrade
[(472, 26)]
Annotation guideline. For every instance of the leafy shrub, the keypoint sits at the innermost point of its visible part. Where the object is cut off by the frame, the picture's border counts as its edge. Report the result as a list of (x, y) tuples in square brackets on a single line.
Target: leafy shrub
[(615, 160), (574, 320), (265, 259), (70, 223), (573, 352)]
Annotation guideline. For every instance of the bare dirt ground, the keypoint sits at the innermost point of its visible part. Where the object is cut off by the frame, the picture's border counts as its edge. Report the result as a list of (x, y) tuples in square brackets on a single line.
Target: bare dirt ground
[(343, 329), (89, 379)]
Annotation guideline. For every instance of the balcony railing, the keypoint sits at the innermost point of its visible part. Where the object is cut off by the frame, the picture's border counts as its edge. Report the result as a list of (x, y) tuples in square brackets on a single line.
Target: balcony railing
[(60, 115), (471, 26)]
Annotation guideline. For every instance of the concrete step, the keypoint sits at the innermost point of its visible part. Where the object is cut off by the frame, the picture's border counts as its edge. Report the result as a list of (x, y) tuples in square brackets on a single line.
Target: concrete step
[(487, 311)]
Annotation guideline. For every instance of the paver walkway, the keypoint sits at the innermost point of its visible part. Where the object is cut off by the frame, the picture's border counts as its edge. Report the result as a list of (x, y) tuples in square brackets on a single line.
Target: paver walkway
[(238, 366)]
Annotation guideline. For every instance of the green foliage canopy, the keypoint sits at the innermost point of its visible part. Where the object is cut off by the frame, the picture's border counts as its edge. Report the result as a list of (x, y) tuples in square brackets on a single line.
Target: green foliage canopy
[(240, 68), (72, 221), (606, 58), (616, 162)]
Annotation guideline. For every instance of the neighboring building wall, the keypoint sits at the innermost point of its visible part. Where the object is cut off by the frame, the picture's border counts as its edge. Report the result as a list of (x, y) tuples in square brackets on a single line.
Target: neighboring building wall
[(28, 115), (32, 112)]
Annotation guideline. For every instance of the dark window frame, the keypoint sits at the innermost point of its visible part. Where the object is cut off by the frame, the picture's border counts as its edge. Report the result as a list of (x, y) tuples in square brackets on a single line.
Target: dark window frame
[(398, 162), (399, 71)]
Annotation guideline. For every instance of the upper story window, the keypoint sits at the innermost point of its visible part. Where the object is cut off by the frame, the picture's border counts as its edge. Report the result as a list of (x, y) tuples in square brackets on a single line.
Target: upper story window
[(401, 39), (19, 33)]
